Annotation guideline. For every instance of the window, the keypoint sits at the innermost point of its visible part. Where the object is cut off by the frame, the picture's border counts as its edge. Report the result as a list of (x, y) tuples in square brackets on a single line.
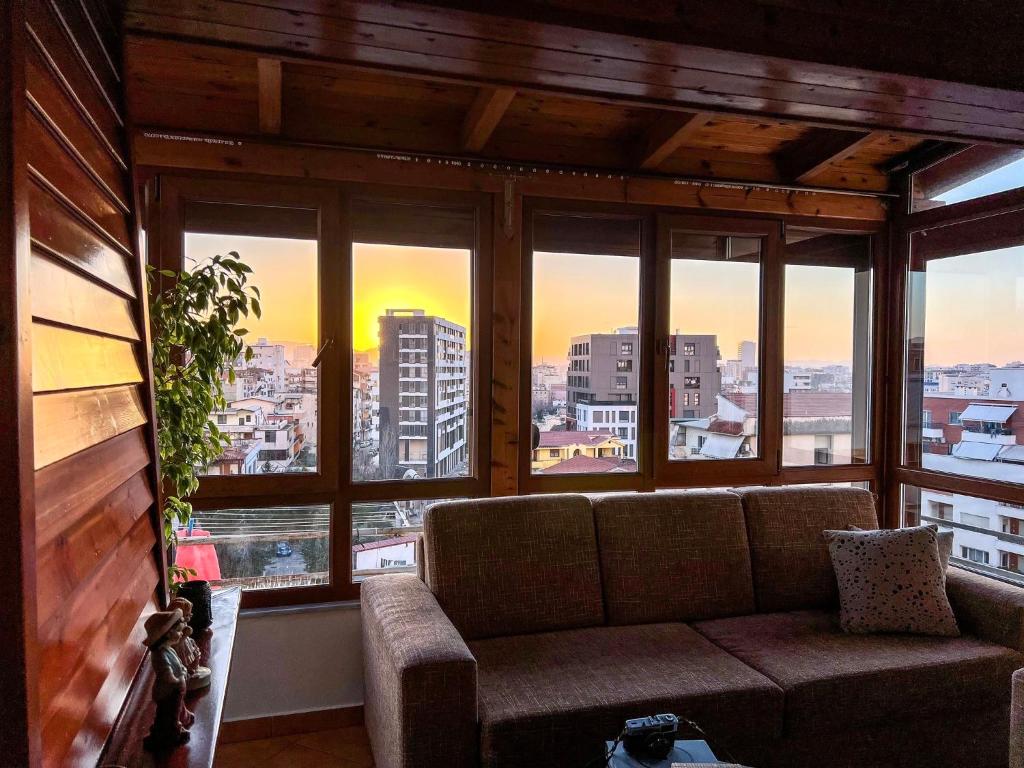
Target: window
[(259, 547), (827, 348), (964, 352), (714, 304), (974, 555), (384, 536), (973, 521), (279, 385), (594, 327), (412, 342), (973, 172)]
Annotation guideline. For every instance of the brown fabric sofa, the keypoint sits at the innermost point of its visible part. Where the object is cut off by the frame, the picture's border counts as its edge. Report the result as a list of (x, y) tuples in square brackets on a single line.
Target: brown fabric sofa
[(539, 624)]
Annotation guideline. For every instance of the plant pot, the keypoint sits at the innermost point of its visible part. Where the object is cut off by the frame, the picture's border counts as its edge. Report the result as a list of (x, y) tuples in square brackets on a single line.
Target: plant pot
[(201, 596)]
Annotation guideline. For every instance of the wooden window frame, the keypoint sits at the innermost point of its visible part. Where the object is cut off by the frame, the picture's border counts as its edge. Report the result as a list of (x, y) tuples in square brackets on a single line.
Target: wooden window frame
[(333, 485), (983, 223), (765, 466)]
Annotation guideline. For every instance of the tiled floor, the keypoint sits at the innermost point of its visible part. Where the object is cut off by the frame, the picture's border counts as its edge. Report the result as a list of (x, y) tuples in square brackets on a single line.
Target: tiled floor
[(341, 748)]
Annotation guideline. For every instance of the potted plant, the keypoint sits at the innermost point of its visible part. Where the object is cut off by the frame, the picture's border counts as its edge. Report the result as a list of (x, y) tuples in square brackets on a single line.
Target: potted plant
[(197, 337)]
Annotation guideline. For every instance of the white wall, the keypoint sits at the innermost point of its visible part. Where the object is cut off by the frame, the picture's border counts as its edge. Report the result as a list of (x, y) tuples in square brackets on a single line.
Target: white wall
[(290, 660)]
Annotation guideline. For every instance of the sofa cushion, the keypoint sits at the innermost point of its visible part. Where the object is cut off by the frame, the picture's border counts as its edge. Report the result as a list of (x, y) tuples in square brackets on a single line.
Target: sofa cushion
[(789, 557), (509, 566), (676, 556), (551, 699), (891, 581), (836, 681)]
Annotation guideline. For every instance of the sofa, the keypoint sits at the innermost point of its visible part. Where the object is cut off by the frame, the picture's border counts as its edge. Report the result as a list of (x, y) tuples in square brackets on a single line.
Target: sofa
[(538, 624)]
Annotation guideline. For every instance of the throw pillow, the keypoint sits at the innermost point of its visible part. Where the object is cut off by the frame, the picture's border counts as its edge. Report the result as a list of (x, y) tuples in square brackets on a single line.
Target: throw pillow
[(891, 581), (945, 542)]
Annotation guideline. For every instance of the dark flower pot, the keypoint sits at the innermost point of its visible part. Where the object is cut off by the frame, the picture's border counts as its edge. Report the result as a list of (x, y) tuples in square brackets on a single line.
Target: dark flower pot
[(201, 596)]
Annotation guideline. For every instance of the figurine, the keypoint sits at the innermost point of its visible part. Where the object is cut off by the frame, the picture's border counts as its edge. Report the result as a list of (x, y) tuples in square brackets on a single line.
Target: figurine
[(164, 630), (188, 650)]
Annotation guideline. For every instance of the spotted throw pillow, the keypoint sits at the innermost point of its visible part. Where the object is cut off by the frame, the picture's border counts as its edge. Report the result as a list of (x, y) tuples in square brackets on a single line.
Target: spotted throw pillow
[(945, 543), (891, 581)]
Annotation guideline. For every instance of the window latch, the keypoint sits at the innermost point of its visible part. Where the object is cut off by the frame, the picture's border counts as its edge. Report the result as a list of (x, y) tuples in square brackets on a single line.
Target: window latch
[(319, 355)]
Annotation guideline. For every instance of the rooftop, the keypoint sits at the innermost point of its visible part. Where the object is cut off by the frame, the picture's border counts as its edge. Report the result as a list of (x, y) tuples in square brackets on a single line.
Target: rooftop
[(591, 465), (561, 439)]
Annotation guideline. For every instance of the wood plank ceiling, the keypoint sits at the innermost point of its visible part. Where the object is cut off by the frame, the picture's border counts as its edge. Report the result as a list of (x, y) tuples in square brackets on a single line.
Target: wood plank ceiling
[(180, 85)]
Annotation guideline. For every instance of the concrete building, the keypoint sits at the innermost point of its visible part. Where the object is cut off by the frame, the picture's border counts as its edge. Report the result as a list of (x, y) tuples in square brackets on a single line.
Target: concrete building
[(424, 423), (603, 381)]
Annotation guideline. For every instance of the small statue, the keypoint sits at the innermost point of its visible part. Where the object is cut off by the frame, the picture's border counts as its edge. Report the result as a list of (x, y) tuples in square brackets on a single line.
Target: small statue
[(164, 630), (188, 650)]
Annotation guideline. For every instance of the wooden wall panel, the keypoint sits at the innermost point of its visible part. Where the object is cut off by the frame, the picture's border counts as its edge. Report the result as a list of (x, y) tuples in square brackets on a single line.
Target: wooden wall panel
[(69, 422), (65, 359), (63, 296), (58, 230), (96, 532)]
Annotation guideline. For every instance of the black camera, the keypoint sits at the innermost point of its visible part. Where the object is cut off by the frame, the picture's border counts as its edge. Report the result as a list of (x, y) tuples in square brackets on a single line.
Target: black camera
[(650, 738)]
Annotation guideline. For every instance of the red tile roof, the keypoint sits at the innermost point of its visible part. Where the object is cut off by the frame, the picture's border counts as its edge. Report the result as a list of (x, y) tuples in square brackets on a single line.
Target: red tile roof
[(590, 464), (801, 404), (560, 439)]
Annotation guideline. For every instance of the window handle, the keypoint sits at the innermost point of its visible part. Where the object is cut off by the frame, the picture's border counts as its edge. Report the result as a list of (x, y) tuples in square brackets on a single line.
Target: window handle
[(319, 355)]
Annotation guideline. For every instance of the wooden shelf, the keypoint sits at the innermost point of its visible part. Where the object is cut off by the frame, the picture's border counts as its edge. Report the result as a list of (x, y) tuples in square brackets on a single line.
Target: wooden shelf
[(124, 747)]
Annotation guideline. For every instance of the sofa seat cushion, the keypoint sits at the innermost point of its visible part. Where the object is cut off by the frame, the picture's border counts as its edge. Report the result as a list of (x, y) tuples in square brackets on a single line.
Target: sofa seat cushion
[(836, 681), (553, 698)]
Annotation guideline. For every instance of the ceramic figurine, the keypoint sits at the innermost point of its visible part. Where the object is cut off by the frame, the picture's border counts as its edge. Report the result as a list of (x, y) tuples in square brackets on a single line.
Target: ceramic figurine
[(188, 650), (164, 630)]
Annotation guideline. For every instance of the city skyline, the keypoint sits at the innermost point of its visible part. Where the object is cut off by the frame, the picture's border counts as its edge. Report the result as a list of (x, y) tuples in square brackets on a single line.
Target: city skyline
[(438, 281)]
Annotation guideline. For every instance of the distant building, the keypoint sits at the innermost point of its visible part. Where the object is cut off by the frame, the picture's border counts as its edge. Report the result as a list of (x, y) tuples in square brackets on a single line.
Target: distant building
[(556, 447), (604, 381), (424, 425)]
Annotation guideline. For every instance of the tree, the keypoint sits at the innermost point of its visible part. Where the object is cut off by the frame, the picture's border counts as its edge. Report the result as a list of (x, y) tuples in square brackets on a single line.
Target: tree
[(196, 340)]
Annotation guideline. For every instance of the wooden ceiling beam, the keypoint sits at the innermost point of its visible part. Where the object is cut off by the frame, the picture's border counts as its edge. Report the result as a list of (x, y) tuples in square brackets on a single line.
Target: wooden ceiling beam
[(269, 95), (668, 134), (801, 160), (483, 117)]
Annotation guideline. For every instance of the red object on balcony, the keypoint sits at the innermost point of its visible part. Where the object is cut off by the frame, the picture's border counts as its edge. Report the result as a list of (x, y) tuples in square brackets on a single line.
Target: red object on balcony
[(202, 558)]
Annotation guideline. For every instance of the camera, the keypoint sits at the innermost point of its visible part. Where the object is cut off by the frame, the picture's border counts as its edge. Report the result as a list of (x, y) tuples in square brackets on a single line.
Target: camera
[(650, 738)]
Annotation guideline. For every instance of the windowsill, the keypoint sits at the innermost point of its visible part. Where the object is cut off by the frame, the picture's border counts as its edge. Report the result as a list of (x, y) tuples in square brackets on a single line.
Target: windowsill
[(291, 609)]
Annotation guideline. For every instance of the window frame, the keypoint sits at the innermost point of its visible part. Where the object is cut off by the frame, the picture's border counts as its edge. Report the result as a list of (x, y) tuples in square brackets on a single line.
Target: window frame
[(333, 485), (963, 227), (765, 466)]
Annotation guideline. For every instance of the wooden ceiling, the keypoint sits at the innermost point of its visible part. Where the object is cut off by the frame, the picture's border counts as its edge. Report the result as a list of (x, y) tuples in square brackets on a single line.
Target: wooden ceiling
[(419, 78), (187, 86)]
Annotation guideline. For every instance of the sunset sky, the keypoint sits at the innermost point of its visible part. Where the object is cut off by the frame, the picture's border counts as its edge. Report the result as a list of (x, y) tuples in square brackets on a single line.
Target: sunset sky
[(975, 305)]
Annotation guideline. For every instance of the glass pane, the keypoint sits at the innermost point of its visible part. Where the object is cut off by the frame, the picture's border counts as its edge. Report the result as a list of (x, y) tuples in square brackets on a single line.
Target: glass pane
[(987, 535), (384, 536), (965, 388), (259, 548), (975, 172), (412, 344), (272, 405), (715, 305), (586, 346), (827, 342)]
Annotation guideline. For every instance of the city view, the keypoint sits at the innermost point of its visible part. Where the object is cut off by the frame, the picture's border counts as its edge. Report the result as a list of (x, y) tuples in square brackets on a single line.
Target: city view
[(411, 388)]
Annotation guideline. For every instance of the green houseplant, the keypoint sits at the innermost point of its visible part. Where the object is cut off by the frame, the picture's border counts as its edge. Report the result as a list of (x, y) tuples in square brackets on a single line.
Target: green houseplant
[(197, 337)]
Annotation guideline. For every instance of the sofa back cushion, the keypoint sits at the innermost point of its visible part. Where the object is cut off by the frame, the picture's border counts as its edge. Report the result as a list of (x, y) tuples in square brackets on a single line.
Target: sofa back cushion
[(791, 565), (510, 566), (679, 556)]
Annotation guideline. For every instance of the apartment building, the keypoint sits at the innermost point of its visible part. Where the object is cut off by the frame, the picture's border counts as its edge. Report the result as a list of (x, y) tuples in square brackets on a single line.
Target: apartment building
[(603, 381), (424, 422)]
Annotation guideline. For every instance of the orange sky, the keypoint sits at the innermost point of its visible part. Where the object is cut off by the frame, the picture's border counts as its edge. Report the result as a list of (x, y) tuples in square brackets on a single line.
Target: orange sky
[(975, 303)]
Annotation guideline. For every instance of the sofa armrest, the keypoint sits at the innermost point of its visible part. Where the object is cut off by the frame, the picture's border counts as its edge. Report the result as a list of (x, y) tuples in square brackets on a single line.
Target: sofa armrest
[(420, 678), (986, 607)]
